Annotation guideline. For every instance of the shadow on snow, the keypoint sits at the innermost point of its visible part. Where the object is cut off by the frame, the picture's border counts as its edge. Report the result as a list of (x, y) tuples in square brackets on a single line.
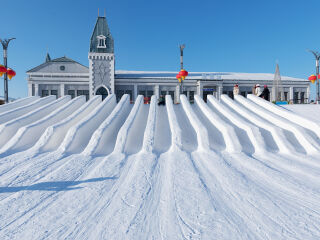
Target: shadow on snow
[(53, 186)]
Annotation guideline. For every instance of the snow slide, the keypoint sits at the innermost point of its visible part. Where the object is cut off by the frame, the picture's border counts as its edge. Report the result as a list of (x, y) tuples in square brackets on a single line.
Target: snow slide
[(228, 169)]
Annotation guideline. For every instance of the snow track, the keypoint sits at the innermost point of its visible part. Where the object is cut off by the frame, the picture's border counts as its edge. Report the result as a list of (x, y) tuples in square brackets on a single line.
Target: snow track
[(243, 169)]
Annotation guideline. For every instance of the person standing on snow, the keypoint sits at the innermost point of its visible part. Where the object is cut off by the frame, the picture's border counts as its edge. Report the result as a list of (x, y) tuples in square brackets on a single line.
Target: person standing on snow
[(258, 90), (236, 90), (161, 101), (265, 93)]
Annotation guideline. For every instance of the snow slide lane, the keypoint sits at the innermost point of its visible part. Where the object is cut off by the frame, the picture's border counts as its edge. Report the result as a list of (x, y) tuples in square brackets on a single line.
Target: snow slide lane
[(277, 133), (27, 135), (252, 131), (88, 209), (18, 103), (306, 141), (8, 129), (49, 141), (292, 117), (79, 135), (221, 178), (17, 112)]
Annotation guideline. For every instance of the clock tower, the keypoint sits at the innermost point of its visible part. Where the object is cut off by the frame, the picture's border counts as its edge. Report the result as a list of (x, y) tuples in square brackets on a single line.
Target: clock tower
[(101, 60)]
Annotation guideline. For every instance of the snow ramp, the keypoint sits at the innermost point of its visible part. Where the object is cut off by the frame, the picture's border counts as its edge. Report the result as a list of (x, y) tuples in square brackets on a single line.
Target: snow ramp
[(18, 103), (29, 134)]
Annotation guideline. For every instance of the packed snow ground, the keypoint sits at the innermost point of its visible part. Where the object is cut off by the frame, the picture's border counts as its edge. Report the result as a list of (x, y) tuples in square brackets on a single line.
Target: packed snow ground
[(229, 169)]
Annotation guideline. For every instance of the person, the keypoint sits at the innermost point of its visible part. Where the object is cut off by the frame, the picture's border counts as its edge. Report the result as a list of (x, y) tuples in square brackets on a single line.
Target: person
[(254, 90), (236, 90), (161, 101), (258, 90), (265, 93)]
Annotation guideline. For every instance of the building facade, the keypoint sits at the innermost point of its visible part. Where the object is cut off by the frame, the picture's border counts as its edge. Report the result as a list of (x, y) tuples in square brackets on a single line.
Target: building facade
[(64, 76)]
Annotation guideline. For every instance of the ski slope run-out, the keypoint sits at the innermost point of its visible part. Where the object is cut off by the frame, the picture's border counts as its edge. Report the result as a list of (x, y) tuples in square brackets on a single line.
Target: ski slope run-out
[(227, 169)]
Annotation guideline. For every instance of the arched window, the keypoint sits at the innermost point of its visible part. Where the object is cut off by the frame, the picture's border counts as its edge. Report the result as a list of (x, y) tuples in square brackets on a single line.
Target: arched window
[(101, 41), (103, 92)]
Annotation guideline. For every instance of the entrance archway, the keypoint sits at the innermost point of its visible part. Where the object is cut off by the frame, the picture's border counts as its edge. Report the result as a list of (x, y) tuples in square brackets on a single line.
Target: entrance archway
[(103, 92)]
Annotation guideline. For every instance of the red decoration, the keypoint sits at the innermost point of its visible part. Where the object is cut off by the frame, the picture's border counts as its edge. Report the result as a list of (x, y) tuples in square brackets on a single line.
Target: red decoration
[(179, 77), (3, 70), (312, 78), (10, 73), (183, 73)]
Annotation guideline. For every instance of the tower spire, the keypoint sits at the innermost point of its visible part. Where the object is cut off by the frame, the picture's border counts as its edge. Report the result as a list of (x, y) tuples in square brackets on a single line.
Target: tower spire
[(98, 12)]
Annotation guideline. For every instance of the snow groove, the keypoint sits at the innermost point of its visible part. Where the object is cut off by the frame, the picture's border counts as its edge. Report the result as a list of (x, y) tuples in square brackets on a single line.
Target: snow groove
[(253, 132), (228, 132), (105, 170), (306, 141), (303, 122)]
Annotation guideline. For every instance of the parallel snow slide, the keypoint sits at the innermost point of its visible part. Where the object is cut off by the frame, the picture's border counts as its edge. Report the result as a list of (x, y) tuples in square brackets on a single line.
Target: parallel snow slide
[(102, 169), (9, 128), (29, 134), (18, 103)]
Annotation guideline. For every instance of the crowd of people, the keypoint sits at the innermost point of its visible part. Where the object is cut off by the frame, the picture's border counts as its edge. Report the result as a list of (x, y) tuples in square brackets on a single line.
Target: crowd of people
[(256, 90)]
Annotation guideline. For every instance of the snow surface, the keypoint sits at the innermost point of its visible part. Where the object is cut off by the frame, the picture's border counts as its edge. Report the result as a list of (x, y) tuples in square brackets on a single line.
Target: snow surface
[(229, 169)]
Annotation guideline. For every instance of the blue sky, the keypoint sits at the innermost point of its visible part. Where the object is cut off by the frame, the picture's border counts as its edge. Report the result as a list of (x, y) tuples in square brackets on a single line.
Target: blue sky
[(230, 36)]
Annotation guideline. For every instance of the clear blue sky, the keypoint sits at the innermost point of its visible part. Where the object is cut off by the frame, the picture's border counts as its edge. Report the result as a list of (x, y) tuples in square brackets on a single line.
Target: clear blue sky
[(230, 36)]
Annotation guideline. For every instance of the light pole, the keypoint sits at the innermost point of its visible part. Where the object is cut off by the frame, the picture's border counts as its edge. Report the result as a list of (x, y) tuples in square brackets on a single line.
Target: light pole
[(181, 64), (5, 43), (317, 56)]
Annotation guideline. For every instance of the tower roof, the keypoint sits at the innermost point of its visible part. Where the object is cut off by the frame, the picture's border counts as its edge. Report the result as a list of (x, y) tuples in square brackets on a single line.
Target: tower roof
[(101, 29), (48, 58)]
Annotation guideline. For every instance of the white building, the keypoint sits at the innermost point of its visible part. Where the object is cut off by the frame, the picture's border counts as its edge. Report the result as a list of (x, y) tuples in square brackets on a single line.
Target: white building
[(63, 76)]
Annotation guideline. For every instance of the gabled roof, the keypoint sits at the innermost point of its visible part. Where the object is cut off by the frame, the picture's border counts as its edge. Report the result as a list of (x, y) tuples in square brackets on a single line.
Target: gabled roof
[(101, 28), (63, 59)]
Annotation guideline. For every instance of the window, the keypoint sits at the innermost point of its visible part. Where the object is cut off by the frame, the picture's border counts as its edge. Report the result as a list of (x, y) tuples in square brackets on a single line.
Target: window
[(45, 93), (83, 92), (71, 93), (54, 92), (119, 94), (101, 41), (191, 96), (130, 93), (302, 97), (295, 97)]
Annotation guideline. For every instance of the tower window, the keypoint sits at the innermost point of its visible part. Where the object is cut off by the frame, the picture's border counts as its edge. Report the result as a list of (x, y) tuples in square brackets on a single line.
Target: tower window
[(101, 41)]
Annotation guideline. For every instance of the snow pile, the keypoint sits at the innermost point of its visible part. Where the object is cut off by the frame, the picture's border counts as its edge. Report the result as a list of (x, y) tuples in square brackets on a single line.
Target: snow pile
[(229, 169)]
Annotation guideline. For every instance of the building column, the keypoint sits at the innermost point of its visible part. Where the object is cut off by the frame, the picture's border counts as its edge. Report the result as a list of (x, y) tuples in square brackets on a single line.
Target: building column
[(291, 95), (308, 94), (36, 89), (220, 91), (135, 92), (61, 89), (156, 91), (200, 89), (29, 89), (177, 94)]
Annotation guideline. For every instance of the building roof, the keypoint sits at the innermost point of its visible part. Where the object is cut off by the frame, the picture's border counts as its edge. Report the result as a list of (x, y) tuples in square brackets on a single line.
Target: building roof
[(204, 75), (63, 59), (101, 29)]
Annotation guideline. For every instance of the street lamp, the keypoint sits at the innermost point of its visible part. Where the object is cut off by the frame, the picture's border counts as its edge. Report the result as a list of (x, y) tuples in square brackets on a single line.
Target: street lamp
[(317, 56), (5, 43), (181, 66)]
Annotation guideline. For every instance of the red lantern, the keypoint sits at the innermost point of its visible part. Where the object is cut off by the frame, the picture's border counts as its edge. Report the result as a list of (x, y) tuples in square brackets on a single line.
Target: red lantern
[(179, 77), (183, 73), (3, 70), (312, 78), (10, 73)]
